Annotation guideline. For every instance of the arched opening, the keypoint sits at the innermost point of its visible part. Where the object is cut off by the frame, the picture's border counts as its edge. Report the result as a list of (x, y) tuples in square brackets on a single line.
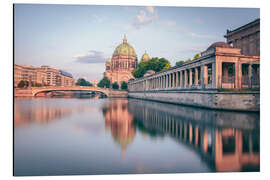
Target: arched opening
[(72, 94)]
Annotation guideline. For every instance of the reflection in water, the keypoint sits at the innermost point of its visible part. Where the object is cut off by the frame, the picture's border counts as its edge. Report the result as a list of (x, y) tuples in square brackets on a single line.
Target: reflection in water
[(181, 139), (229, 141), (28, 110), (120, 121)]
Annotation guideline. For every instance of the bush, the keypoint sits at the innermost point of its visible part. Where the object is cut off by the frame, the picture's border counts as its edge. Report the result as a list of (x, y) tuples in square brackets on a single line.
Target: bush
[(124, 85), (115, 85)]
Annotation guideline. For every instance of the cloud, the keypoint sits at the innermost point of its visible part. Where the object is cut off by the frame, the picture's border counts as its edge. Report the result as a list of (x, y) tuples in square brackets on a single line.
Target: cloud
[(143, 19), (91, 57), (150, 9)]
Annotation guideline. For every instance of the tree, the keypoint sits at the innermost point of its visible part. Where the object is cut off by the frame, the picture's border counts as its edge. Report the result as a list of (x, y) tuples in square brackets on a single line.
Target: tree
[(196, 56), (115, 85), (178, 63), (155, 64), (124, 85), (21, 84), (105, 82), (188, 60), (83, 82)]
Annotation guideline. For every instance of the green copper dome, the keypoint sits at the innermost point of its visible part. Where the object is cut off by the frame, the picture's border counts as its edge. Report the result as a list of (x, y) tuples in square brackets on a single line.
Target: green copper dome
[(124, 49), (145, 57)]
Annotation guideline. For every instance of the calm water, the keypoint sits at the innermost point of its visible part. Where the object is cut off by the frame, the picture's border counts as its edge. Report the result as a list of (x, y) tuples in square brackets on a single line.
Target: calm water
[(59, 136)]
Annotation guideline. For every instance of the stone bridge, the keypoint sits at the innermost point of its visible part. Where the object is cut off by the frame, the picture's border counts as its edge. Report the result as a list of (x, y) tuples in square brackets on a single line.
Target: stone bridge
[(33, 91)]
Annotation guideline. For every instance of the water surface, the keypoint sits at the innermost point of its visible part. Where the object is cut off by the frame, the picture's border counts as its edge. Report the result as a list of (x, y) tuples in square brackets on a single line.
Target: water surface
[(65, 136)]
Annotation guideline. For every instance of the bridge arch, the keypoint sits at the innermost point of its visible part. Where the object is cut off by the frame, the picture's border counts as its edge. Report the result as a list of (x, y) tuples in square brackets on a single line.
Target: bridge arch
[(35, 91)]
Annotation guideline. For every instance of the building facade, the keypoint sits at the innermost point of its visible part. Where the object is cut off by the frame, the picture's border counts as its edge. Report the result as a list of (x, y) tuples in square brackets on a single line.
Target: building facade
[(42, 76), (246, 38), (123, 62)]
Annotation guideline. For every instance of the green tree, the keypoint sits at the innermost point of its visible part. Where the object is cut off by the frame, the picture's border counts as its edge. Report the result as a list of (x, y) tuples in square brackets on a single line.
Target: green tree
[(155, 64), (21, 84), (105, 82), (83, 82), (196, 56), (188, 60), (124, 85), (178, 63), (115, 85)]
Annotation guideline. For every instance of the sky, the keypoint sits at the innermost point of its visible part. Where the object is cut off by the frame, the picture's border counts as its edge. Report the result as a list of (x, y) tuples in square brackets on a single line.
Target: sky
[(80, 38)]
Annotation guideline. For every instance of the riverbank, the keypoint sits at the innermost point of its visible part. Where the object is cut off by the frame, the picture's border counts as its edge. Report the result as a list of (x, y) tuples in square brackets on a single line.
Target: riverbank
[(236, 101)]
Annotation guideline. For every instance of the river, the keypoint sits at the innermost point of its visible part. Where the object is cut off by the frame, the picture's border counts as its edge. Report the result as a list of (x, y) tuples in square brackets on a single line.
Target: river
[(80, 136)]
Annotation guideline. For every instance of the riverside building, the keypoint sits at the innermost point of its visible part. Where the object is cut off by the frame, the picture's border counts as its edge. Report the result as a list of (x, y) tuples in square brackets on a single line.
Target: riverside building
[(43, 76)]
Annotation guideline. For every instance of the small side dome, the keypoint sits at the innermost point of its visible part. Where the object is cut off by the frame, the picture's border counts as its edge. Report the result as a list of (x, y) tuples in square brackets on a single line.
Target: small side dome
[(108, 61), (145, 57), (148, 73), (219, 44)]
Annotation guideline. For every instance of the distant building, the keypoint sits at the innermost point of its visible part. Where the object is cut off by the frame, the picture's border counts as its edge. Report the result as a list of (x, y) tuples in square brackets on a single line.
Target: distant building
[(42, 76), (246, 38), (123, 62)]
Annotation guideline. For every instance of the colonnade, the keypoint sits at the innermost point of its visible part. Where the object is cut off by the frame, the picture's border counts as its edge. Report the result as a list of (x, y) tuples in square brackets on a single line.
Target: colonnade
[(184, 77)]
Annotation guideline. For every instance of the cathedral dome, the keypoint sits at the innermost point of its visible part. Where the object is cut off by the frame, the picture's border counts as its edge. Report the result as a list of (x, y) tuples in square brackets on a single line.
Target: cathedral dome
[(124, 49), (145, 57)]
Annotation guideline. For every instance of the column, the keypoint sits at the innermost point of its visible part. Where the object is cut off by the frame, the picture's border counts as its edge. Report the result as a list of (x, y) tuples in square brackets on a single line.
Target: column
[(161, 83), (219, 74), (214, 75), (202, 76), (170, 80), (236, 67), (196, 76), (186, 79), (190, 77), (205, 74), (178, 79), (165, 81), (181, 79), (173, 79), (249, 75)]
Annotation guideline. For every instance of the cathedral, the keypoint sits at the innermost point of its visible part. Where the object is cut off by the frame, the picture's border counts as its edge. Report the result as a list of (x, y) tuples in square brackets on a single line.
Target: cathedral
[(123, 62)]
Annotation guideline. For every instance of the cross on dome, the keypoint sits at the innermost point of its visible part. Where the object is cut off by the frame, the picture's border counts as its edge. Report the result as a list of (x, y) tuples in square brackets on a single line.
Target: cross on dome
[(125, 39)]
